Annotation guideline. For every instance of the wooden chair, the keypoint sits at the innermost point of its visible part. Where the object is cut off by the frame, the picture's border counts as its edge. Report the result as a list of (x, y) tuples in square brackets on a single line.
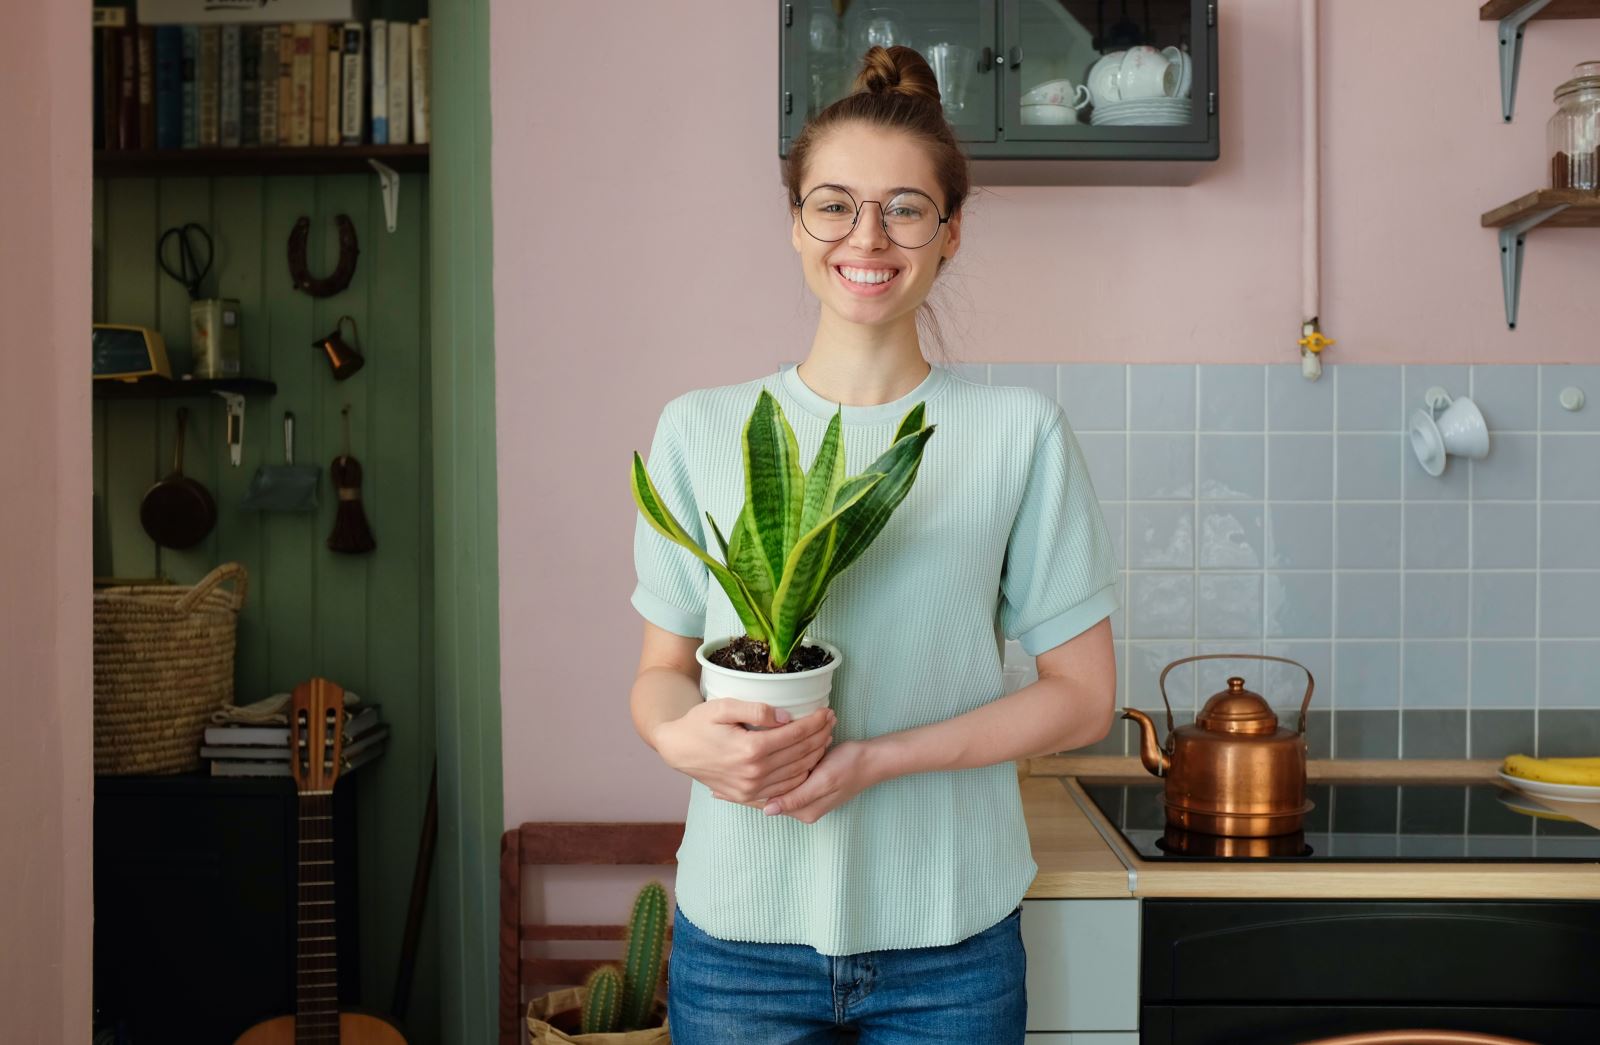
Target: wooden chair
[(548, 843)]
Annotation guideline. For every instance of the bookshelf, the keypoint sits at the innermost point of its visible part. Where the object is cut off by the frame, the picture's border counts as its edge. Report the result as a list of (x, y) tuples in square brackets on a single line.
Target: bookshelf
[(155, 387), (258, 160)]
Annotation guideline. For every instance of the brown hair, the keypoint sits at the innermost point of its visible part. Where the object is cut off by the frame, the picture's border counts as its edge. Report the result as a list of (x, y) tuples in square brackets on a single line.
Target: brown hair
[(894, 89)]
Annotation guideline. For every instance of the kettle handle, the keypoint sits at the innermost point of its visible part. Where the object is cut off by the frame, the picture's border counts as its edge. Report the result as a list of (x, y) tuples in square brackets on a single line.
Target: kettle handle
[(1311, 683)]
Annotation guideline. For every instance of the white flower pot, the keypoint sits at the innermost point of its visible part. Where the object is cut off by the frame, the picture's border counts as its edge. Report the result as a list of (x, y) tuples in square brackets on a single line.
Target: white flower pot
[(798, 692)]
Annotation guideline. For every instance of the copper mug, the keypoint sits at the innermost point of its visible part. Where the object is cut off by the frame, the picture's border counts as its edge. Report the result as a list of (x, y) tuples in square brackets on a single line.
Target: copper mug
[(1233, 771)]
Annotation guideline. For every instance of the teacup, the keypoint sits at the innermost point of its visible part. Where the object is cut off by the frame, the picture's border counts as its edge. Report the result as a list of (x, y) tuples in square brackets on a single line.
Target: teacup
[(1185, 65), (1146, 73), (1058, 92), (1102, 78), (1048, 113)]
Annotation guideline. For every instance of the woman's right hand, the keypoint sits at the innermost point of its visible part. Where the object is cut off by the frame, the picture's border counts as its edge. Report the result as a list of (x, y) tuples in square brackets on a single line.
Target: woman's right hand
[(710, 744)]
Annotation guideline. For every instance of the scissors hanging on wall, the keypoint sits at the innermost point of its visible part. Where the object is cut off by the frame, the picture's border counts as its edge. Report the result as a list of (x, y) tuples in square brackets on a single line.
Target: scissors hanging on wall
[(176, 254)]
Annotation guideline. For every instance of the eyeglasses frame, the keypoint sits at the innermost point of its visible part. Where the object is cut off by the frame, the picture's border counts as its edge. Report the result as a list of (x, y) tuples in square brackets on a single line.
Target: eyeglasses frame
[(883, 218)]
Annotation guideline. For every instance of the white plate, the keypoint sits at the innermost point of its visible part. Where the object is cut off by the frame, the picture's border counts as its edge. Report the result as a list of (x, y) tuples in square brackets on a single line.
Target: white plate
[(1522, 804), (1565, 792)]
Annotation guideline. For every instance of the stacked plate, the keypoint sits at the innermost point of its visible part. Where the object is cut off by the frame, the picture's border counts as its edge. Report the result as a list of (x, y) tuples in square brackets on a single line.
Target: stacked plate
[(1148, 112)]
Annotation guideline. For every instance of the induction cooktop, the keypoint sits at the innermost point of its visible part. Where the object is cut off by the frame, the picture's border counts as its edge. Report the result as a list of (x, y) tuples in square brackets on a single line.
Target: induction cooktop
[(1365, 823)]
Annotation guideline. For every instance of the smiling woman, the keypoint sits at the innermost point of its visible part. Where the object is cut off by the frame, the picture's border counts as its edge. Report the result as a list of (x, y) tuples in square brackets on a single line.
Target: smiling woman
[(872, 881)]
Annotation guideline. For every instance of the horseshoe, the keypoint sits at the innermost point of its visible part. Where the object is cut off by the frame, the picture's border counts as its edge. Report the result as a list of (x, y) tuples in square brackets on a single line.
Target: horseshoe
[(326, 286)]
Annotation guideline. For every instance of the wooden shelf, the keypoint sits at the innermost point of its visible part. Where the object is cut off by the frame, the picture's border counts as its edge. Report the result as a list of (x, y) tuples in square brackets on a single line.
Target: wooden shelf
[(1582, 209), (1494, 10), (162, 388), (203, 163)]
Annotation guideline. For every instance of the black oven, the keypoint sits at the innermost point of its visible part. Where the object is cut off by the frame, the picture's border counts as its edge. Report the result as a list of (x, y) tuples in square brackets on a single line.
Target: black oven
[(1271, 972)]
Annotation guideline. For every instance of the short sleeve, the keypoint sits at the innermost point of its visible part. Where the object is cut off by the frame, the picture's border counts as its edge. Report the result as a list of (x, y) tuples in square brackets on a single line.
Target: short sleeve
[(671, 592), (1060, 575)]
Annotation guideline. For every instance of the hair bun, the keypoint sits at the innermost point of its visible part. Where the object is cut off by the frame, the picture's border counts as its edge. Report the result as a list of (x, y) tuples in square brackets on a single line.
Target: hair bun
[(897, 70)]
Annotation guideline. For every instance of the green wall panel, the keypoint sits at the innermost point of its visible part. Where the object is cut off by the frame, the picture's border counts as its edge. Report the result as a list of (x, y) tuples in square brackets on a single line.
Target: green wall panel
[(471, 809), (364, 621)]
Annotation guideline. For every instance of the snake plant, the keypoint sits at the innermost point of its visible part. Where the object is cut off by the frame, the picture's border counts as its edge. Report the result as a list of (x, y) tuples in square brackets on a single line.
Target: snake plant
[(797, 531)]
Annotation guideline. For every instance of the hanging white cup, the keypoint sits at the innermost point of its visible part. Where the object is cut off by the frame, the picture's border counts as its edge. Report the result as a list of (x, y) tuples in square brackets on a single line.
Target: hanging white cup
[(1460, 429)]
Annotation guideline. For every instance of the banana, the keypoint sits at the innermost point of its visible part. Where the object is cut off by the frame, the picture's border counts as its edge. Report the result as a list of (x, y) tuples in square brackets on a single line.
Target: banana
[(1583, 771)]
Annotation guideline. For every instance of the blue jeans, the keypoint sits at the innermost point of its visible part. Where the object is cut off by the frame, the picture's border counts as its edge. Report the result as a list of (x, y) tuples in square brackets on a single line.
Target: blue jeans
[(722, 992)]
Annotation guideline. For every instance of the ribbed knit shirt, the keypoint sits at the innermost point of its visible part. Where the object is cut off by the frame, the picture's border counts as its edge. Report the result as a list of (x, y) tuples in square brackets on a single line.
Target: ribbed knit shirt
[(1000, 537)]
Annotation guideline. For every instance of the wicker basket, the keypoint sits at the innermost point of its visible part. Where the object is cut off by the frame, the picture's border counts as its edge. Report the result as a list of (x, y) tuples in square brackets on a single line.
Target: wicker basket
[(163, 662), (553, 1020)]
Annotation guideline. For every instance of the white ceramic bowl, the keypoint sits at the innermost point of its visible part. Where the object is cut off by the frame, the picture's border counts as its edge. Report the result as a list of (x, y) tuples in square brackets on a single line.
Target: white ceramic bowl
[(1053, 115), (1057, 92)]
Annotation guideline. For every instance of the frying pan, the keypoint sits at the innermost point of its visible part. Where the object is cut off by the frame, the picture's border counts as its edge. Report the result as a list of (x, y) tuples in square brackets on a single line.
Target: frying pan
[(178, 511)]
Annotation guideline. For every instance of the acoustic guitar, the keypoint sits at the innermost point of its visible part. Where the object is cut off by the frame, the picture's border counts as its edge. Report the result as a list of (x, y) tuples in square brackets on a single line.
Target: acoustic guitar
[(316, 739)]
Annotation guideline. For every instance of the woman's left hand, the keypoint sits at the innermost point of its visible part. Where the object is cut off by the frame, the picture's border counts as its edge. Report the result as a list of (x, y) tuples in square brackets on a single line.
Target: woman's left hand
[(841, 774)]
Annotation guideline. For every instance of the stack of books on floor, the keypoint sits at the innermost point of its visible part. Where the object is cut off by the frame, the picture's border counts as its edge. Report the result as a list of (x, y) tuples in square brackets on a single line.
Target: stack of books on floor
[(247, 750)]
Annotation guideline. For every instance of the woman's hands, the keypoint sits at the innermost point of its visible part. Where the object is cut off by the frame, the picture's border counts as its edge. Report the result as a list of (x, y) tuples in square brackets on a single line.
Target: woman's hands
[(751, 767), (844, 772)]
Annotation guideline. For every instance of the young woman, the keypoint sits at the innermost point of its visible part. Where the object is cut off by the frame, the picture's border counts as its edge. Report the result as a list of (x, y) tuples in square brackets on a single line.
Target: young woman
[(873, 885)]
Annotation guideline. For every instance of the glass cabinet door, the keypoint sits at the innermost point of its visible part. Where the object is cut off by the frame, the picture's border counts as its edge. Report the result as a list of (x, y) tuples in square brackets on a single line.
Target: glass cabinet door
[(1104, 70), (824, 45)]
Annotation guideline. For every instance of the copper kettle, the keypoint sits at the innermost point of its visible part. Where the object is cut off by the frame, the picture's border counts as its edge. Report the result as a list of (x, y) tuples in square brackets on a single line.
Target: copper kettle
[(1234, 770)]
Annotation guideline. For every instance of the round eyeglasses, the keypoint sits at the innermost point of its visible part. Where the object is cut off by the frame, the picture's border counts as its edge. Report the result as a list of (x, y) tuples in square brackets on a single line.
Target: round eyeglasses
[(910, 219)]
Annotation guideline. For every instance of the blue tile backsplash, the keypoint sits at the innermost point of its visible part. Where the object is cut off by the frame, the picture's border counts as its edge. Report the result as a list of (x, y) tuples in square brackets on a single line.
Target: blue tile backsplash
[(1254, 511)]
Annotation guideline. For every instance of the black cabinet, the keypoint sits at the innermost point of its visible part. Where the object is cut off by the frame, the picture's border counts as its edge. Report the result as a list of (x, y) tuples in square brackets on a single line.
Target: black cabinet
[(195, 904), (1018, 84), (1284, 972)]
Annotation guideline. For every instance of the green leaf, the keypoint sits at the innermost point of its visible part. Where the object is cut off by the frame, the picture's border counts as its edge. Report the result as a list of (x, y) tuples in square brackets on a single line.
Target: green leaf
[(912, 422), (804, 577), (826, 475), (774, 483), (660, 518), (867, 516), (746, 560)]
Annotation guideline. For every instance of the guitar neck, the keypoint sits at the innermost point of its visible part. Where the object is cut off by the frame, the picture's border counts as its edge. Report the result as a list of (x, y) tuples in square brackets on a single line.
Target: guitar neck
[(316, 954)]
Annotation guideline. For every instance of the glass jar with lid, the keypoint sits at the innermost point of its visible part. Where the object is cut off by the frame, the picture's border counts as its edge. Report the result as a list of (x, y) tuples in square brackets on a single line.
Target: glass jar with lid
[(1573, 133)]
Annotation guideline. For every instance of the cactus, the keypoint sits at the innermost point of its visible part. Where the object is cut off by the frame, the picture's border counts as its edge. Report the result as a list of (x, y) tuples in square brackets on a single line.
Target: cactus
[(601, 1001), (647, 933)]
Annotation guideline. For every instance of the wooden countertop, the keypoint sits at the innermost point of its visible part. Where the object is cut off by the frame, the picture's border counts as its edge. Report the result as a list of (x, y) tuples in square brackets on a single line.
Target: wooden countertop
[(1080, 855)]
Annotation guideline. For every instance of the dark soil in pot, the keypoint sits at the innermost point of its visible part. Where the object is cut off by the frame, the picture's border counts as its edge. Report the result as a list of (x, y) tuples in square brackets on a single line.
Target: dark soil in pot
[(747, 654)]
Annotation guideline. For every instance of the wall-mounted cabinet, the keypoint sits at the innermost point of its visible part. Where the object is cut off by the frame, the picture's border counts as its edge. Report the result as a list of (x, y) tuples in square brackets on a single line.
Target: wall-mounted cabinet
[(1148, 118)]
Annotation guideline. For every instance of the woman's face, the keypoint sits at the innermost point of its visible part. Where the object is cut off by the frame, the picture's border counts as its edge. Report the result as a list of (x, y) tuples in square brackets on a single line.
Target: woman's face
[(872, 164)]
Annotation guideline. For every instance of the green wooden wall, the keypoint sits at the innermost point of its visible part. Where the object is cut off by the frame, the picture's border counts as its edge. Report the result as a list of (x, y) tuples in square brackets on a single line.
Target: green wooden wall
[(364, 621), (471, 810)]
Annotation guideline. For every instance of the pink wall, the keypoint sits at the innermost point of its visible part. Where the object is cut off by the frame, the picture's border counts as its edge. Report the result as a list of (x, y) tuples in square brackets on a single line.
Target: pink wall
[(642, 249), (45, 633)]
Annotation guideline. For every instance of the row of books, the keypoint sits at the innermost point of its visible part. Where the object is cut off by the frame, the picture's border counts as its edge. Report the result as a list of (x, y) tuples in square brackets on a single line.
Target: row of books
[(250, 750), (225, 86)]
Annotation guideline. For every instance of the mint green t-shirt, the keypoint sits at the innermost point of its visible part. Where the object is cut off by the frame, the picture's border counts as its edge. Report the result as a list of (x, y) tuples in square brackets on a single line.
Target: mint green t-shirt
[(1000, 537)]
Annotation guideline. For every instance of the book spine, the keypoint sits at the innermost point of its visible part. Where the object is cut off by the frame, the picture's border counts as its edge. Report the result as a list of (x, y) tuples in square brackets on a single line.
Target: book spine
[(191, 47), (207, 85), (301, 131), (250, 85), (267, 84), (319, 83), (147, 87), (169, 87), (286, 84), (378, 47), (333, 58), (420, 103), (232, 99), (353, 102), (110, 85), (399, 83), (128, 89)]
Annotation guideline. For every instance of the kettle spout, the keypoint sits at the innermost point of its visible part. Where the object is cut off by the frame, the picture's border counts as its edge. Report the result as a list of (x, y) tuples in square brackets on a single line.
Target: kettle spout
[(1150, 753)]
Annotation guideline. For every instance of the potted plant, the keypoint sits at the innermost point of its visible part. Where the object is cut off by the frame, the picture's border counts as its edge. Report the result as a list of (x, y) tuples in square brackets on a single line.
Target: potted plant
[(616, 1005), (797, 532)]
